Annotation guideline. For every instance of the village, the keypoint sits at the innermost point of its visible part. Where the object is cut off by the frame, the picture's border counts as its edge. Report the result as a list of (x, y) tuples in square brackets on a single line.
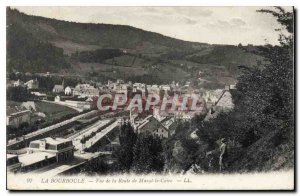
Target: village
[(150, 98), (86, 133)]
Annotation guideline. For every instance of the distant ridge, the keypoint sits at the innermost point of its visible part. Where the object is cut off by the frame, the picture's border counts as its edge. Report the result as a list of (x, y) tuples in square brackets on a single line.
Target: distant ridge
[(38, 44)]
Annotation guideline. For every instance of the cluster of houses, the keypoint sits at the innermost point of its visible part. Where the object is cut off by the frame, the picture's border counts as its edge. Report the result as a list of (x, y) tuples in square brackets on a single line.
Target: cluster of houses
[(157, 122), (31, 84), (80, 90), (211, 100), (163, 128), (163, 123)]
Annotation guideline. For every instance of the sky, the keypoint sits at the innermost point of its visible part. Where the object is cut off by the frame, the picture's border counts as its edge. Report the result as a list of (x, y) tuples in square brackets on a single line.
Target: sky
[(214, 25)]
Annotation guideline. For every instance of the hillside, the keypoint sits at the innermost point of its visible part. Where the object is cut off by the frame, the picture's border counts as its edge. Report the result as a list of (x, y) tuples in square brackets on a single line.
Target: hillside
[(37, 44)]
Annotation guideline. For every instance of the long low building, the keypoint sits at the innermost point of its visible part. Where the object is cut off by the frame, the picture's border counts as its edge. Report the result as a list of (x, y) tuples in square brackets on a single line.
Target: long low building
[(36, 160), (63, 149), (47, 151)]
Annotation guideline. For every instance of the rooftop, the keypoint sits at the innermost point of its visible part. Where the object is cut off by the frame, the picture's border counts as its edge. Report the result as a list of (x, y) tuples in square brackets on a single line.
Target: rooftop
[(10, 110), (51, 140), (28, 159), (8, 156), (57, 86)]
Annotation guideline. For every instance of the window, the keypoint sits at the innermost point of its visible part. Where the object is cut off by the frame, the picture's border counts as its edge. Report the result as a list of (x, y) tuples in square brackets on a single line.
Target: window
[(34, 145), (51, 147)]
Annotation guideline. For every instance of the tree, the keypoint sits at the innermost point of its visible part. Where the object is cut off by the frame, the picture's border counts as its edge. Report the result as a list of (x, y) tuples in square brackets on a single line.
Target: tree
[(148, 154), (263, 116), (124, 155), (265, 96), (19, 94)]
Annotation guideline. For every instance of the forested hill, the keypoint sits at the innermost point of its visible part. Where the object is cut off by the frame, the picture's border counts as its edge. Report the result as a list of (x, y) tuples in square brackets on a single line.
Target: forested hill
[(38, 44)]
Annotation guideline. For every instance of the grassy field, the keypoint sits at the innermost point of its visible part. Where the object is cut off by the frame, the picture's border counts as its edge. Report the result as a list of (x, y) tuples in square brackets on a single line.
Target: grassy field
[(53, 111)]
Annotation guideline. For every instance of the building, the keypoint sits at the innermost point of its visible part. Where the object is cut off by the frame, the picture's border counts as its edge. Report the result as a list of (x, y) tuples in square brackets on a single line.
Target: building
[(29, 105), (61, 149), (178, 113), (18, 83), (151, 125), (68, 91), (139, 87), (112, 145), (120, 88), (154, 89), (32, 84), (165, 88), (59, 88), (17, 115), (85, 90), (170, 124), (57, 98), (41, 96)]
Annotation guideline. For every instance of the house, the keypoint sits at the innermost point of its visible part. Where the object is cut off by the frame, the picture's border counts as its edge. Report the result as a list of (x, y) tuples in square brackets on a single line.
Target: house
[(170, 124), (151, 125), (59, 88), (18, 83), (187, 83), (68, 91), (85, 90), (165, 88), (135, 118), (29, 105), (41, 96), (112, 145), (28, 74), (154, 89), (17, 115), (90, 99), (120, 88), (57, 98), (32, 84)]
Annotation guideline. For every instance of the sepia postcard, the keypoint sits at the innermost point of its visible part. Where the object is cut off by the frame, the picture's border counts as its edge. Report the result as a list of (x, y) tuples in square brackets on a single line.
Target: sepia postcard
[(150, 98)]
